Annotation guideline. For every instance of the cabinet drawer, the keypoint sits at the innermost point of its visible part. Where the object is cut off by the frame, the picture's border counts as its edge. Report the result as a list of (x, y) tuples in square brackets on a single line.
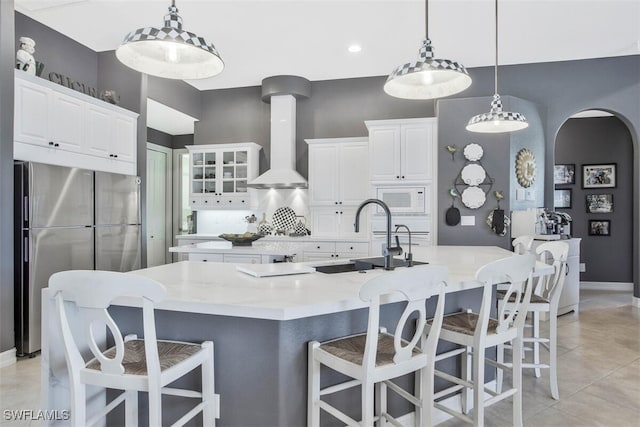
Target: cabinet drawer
[(243, 259), (352, 247), (319, 247), (206, 257)]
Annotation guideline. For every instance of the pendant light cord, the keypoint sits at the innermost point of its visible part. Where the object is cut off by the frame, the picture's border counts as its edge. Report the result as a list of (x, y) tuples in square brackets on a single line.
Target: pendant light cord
[(426, 19), (495, 73)]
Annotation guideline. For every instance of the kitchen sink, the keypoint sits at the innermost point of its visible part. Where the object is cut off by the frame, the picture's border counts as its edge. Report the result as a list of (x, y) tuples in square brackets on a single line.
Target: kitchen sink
[(362, 264), (342, 268)]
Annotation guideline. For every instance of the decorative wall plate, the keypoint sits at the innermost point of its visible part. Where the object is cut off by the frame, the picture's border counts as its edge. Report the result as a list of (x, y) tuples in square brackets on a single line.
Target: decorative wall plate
[(525, 167), (473, 174), (473, 152), (473, 197)]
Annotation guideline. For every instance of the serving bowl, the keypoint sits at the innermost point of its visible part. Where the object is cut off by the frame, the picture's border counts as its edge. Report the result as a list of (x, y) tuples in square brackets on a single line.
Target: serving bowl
[(244, 239)]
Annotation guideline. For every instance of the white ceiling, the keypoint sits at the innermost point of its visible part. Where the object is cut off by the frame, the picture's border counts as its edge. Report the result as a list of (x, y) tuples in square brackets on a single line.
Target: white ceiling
[(309, 38)]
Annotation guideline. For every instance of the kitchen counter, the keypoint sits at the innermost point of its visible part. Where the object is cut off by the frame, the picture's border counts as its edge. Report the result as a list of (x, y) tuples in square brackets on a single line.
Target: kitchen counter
[(276, 248), (261, 328), (302, 239)]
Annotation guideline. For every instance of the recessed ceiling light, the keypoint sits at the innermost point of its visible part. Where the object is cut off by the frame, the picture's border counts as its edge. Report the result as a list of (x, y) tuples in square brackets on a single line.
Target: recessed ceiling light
[(355, 48)]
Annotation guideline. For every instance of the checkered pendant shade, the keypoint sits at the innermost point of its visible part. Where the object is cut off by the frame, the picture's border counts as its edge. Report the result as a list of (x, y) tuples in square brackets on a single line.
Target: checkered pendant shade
[(170, 52), (496, 120), (428, 77)]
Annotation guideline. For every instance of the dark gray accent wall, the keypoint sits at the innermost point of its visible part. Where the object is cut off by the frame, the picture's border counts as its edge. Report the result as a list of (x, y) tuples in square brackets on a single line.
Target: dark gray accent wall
[(497, 160), (7, 62), (336, 108), (596, 141), (176, 94), (158, 137), (59, 53), (180, 141)]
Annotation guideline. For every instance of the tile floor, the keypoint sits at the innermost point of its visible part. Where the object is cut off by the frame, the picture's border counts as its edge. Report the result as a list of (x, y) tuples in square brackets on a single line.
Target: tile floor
[(599, 372)]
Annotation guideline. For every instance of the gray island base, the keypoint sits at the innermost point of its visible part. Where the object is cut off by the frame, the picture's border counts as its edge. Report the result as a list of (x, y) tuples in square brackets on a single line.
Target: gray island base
[(260, 328)]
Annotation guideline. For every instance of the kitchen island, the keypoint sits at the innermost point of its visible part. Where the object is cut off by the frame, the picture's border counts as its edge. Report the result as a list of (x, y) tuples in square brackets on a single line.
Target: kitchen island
[(261, 327), (222, 251)]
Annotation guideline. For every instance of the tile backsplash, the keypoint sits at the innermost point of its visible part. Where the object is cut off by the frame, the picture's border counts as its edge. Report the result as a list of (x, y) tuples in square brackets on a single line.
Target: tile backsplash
[(232, 221)]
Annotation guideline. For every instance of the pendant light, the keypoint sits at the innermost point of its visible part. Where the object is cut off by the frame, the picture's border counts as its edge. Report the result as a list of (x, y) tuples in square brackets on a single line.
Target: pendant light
[(496, 120), (170, 52), (427, 78)]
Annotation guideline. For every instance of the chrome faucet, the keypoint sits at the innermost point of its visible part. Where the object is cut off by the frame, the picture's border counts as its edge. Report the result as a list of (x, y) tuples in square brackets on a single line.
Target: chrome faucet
[(388, 251), (408, 256)]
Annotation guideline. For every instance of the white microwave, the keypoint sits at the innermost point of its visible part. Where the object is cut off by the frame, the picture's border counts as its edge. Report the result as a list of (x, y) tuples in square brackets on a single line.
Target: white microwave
[(408, 200)]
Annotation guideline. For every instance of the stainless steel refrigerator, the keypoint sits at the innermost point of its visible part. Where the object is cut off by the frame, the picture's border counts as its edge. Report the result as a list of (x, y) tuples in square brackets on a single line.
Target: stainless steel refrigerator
[(68, 219)]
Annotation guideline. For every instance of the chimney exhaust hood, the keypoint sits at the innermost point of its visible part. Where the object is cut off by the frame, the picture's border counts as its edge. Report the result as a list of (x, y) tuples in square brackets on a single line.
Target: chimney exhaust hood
[(281, 92)]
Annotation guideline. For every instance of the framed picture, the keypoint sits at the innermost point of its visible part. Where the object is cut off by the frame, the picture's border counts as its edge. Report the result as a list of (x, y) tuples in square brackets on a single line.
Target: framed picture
[(599, 227), (562, 198), (564, 174), (599, 176), (599, 203)]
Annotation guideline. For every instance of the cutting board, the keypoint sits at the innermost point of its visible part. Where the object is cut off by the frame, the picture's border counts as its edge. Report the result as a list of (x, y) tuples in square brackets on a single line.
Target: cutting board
[(275, 269)]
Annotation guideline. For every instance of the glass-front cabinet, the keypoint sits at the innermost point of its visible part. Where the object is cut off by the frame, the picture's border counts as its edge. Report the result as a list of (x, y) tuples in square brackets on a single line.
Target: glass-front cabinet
[(220, 173)]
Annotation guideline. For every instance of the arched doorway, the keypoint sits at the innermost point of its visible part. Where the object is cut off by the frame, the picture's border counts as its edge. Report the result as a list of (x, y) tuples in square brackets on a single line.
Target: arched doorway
[(598, 147)]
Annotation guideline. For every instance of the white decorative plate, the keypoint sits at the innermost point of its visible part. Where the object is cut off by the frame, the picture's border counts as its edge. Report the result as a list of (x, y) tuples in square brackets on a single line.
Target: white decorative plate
[(473, 174), (473, 152), (473, 197)]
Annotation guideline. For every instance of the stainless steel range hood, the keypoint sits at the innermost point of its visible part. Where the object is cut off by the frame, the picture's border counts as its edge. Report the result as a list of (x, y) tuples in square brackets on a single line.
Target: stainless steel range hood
[(283, 172)]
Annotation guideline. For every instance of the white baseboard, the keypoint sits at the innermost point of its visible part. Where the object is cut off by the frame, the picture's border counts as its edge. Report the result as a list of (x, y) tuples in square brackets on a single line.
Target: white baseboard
[(8, 358), (635, 302), (439, 416), (607, 286)]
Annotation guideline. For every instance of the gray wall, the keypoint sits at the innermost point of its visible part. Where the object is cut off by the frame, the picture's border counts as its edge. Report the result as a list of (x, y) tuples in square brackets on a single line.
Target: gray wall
[(158, 137), (498, 161), (59, 53), (176, 94), (7, 58), (596, 141)]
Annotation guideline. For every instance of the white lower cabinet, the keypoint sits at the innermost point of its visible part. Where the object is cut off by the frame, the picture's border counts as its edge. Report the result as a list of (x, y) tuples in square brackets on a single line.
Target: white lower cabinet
[(235, 258), (328, 250), (338, 222)]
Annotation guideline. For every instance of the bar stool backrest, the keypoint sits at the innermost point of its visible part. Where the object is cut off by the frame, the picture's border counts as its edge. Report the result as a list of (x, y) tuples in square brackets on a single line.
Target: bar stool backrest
[(550, 286), (93, 292), (522, 244), (415, 285)]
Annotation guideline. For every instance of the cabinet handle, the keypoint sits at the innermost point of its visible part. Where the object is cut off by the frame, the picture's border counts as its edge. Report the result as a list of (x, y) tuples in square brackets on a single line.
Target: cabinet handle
[(217, 201), (110, 155), (337, 255), (398, 176), (335, 203), (56, 145), (402, 176), (242, 201), (340, 212), (50, 142), (318, 247), (115, 155), (331, 255), (206, 201), (351, 247), (340, 202), (336, 212), (566, 272)]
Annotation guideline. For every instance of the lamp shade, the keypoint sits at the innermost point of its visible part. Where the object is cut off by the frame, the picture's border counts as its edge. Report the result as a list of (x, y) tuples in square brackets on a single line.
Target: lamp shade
[(428, 77), (170, 52), (496, 120)]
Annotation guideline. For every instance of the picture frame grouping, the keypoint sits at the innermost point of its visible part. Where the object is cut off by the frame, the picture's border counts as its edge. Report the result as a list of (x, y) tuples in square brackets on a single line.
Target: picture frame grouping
[(599, 176), (599, 227)]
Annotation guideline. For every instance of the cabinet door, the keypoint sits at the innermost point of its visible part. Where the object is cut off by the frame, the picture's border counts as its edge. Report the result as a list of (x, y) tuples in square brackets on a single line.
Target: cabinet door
[(125, 137), (318, 256), (570, 296), (346, 221), (323, 174), (325, 222), (206, 257), (67, 122), (99, 131), (31, 115), (353, 183), (384, 153), (416, 152)]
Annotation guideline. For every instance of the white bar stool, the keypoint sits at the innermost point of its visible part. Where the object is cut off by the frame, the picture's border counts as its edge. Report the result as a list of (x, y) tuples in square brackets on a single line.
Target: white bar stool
[(132, 364), (375, 357), (545, 299), (522, 244), (478, 332)]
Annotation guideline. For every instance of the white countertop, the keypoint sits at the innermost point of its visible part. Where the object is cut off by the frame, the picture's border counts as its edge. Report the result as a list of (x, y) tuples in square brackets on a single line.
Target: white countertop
[(223, 247), (217, 288), (301, 239)]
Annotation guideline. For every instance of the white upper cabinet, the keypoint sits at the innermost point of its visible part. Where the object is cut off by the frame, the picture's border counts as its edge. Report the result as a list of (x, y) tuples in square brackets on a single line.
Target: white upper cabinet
[(56, 125), (401, 150), (219, 174), (338, 171)]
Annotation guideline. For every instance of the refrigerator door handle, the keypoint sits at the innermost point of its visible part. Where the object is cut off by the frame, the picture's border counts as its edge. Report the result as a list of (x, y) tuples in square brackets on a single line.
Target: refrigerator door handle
[(26, 209), (26, 249)]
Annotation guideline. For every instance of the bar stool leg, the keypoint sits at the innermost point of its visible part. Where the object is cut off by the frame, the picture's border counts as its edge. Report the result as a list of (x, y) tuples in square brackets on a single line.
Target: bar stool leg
[(499, 372), (313, 409), (536, 343), (517, 381), (478, 387), (465, 366), (367, 403), (553, 355), (131, 408)]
